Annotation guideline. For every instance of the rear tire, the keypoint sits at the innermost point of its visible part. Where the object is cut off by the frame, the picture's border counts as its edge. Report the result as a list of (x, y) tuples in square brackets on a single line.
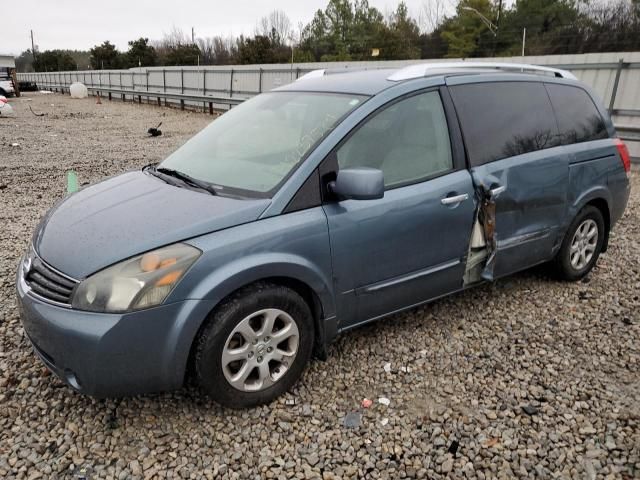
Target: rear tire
[(254, 346), (581, 246)]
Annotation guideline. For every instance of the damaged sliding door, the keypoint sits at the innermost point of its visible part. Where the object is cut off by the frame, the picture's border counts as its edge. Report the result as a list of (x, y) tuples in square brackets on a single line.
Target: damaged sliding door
[(519, 172), (522, 208)]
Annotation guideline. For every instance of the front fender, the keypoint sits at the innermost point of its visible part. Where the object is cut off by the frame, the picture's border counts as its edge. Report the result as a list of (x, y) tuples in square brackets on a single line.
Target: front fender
[(225, 280), (228, 278), (293, 246)]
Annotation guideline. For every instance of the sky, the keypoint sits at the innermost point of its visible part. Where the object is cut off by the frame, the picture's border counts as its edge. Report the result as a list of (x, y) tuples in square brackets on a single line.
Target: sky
[(81, 24)]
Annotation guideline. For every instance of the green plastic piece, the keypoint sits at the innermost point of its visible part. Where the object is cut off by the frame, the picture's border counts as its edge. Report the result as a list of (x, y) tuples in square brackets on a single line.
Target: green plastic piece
[(72, 181)]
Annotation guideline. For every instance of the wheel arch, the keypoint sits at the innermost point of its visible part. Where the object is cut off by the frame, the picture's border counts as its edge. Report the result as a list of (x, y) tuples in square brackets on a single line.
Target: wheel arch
[(319, 300), (602, 205), (599, 198)]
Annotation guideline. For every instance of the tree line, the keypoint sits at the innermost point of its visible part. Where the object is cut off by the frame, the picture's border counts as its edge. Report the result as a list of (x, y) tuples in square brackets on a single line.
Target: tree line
[(349, 30)]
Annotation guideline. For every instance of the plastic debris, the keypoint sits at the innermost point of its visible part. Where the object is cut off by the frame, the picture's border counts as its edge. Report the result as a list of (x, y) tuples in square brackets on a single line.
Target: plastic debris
[(6, 110), (155, 131), (78, 90), (490, 442), (453, 448), (72, 181), (82, 473), (290, 402), (366, 403), (384, 401), (352, 420), (387, 367), (15, 144), (384, 422), (36, 114)]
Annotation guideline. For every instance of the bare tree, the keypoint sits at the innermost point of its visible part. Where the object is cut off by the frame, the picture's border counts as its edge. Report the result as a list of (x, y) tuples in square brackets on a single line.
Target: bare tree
[(225, 50), (433, 14), (218, 50), (174, 38), (275, 25), (206, 45)]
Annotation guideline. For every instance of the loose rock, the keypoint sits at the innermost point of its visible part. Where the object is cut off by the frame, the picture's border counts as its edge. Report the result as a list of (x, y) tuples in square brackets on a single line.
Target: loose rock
[(525, 341)]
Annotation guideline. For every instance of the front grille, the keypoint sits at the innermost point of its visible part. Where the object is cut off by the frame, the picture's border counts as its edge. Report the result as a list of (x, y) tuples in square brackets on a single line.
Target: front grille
[(49, 284)]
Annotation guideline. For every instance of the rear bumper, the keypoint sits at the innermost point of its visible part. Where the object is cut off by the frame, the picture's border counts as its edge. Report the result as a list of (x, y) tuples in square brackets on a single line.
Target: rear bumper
[(108, 355), (620, 187)]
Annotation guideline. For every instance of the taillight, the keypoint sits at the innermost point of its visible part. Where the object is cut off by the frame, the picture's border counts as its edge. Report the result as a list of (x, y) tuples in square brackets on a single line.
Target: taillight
[(623, 151)]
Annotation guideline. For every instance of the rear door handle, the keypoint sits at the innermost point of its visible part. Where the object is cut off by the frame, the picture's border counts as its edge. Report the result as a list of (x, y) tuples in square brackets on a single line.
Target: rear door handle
[(454, 199), (497, 190)]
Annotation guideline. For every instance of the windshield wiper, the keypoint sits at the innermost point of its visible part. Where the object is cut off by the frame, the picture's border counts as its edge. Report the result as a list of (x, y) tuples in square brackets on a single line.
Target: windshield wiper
[(194, 182)]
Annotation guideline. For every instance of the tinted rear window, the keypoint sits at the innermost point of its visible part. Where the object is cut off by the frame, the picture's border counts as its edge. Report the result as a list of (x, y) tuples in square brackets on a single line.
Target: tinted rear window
[(503, 119), (578, 117)]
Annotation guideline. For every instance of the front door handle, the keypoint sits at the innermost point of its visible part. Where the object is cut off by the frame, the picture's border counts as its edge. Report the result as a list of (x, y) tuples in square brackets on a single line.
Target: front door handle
[(454, 199)]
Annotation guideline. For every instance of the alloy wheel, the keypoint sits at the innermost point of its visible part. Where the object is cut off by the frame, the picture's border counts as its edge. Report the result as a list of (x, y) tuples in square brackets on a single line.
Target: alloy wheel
[(583, 244), (260, 350)]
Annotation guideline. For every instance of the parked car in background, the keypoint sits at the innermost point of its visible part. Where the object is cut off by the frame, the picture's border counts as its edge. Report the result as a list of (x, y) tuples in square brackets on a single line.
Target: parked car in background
[(6, 83), (304, 212)]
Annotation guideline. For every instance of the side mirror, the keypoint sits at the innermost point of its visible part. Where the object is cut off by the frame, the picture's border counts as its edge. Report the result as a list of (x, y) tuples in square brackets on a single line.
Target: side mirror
[(358, 183)]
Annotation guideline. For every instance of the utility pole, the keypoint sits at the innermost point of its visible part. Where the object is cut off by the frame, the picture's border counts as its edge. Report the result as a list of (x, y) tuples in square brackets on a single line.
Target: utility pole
[(495, 37), (193, 36), (33, 48)]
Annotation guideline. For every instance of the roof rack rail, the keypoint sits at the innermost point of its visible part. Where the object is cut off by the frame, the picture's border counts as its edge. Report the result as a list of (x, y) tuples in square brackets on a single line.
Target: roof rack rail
[(423, 69), (312, 74), (335, 71)]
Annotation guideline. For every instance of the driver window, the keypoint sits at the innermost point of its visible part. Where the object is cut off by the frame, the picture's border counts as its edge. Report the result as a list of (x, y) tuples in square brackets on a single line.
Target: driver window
[(408, 141)]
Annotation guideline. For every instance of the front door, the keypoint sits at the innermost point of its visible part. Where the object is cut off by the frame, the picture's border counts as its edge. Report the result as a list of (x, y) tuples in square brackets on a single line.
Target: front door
[(409, 246)]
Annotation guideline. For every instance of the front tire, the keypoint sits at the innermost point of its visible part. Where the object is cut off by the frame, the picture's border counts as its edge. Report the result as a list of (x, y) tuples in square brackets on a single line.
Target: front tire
[(582, 245), (255, 346)]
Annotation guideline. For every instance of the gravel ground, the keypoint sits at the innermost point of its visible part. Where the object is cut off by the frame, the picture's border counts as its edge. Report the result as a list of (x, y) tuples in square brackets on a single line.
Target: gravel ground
[(527, 377)]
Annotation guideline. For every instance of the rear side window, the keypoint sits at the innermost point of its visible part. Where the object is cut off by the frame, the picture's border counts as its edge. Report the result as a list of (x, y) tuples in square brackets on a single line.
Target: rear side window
[(504, 119), (578, 118)]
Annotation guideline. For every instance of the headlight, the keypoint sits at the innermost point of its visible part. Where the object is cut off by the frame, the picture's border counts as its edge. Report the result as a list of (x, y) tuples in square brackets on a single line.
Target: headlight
[(139, 282)]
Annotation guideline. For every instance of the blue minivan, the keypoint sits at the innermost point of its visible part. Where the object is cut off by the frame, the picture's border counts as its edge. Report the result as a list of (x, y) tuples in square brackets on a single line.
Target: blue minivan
[(336, 200)]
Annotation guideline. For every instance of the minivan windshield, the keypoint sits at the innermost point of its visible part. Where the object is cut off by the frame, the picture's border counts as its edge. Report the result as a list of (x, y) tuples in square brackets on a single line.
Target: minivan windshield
[(255, 146)]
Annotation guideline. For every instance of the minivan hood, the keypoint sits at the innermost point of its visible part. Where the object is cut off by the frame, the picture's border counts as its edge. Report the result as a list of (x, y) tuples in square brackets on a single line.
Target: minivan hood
[(130, 214)]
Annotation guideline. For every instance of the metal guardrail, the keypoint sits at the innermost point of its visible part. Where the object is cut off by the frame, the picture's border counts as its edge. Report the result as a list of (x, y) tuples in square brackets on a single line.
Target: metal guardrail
[(218, 89), (629, 133), (180, 98), (137, 82), (225, 83)]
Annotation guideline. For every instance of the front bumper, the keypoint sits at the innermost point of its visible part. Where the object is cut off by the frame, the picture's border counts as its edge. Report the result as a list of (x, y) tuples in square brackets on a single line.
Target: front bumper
[(108, 355)]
